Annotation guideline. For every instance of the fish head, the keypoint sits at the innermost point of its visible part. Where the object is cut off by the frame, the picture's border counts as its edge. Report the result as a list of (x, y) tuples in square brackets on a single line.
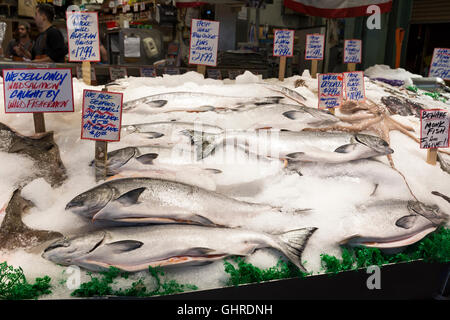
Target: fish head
[(395, 225), (432, 212), (88, 203), (68, 251), (373, 145)]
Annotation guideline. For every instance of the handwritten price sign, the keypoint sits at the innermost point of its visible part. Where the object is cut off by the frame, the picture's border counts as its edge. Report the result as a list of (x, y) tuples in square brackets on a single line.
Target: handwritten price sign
[(314, 46), (352, 51), (102, 115), (117, 73), (83, 36), (434, 131), (330, 90), (354, 86), (148, 72), (440, 64), (283, 43), (37, 90), (204, 42)]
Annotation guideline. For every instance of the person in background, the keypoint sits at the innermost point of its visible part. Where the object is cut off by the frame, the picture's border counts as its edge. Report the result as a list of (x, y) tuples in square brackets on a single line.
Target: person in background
[(49, 45), (20, 49)]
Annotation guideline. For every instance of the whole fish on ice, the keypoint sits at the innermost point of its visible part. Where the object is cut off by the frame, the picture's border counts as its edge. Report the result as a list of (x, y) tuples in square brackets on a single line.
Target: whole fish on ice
[(186, 101), (41, 148), (137, 248), (148, 200), (329, 147), (162, 133), (392, 223), (161, 163)]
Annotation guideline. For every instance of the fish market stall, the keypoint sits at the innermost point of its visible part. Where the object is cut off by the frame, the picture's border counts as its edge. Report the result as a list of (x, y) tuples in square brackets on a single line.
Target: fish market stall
[(213, 180)]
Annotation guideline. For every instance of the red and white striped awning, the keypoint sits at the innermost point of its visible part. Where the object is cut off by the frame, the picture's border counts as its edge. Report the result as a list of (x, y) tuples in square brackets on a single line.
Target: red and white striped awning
[(337, 8)]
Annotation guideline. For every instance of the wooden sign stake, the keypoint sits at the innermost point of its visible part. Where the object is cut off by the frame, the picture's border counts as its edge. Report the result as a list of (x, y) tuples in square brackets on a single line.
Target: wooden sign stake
[(101, 156), (313, 68), (432, 156), (351, 67), (201, 69), (39, 122), (282, 69), (86, 71)]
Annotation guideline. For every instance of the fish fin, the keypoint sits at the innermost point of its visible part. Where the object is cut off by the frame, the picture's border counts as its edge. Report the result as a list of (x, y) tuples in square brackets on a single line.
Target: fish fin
[(153, 135), (201, 220), (293, 114), (131, 197), (156, 103), (124, 245), (441, 195), (346, 148), (406, 222), (270, 100), (147, 158), (204, 142), (293, 243), (349, 240), (264, 128), (213, 170), (374, 190), (295, 156), (197, 251)]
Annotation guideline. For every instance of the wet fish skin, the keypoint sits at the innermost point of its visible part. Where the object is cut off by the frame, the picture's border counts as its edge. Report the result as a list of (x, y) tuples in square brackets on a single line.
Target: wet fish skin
[(329, 147), (136, 248), (149, 200), (41, 148)]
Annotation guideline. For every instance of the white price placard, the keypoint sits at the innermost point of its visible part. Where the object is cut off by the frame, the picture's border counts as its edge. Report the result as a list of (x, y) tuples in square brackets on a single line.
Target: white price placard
[(38, 90), (83, 36), (204, 42), (352, 51), (434, 129), (283, 43), (102, 115)]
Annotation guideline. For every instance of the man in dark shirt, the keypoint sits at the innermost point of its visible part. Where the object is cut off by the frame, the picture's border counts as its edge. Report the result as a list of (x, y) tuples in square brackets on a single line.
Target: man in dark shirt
[(49, 45), (20, 48)]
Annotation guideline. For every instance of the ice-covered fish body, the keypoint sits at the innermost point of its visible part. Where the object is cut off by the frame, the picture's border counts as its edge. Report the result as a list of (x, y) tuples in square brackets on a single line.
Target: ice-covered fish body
[(393, 223), (148, 200), (329, 147), (174, 164), (163, 133), (192, 101), (279, 116), (136, 248)]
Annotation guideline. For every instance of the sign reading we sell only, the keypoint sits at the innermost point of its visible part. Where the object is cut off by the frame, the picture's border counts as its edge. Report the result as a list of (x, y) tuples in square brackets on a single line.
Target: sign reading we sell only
[(434, 129), (330, 90), (283, 43), (83, 36), (38, 90), (102, 115), (314, 46), (440, 64), (204, 42), (352, 51)]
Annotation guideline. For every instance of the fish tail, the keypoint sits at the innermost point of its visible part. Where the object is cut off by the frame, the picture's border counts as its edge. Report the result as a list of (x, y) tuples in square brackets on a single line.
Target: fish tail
[(204, 142), (293, 243)]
